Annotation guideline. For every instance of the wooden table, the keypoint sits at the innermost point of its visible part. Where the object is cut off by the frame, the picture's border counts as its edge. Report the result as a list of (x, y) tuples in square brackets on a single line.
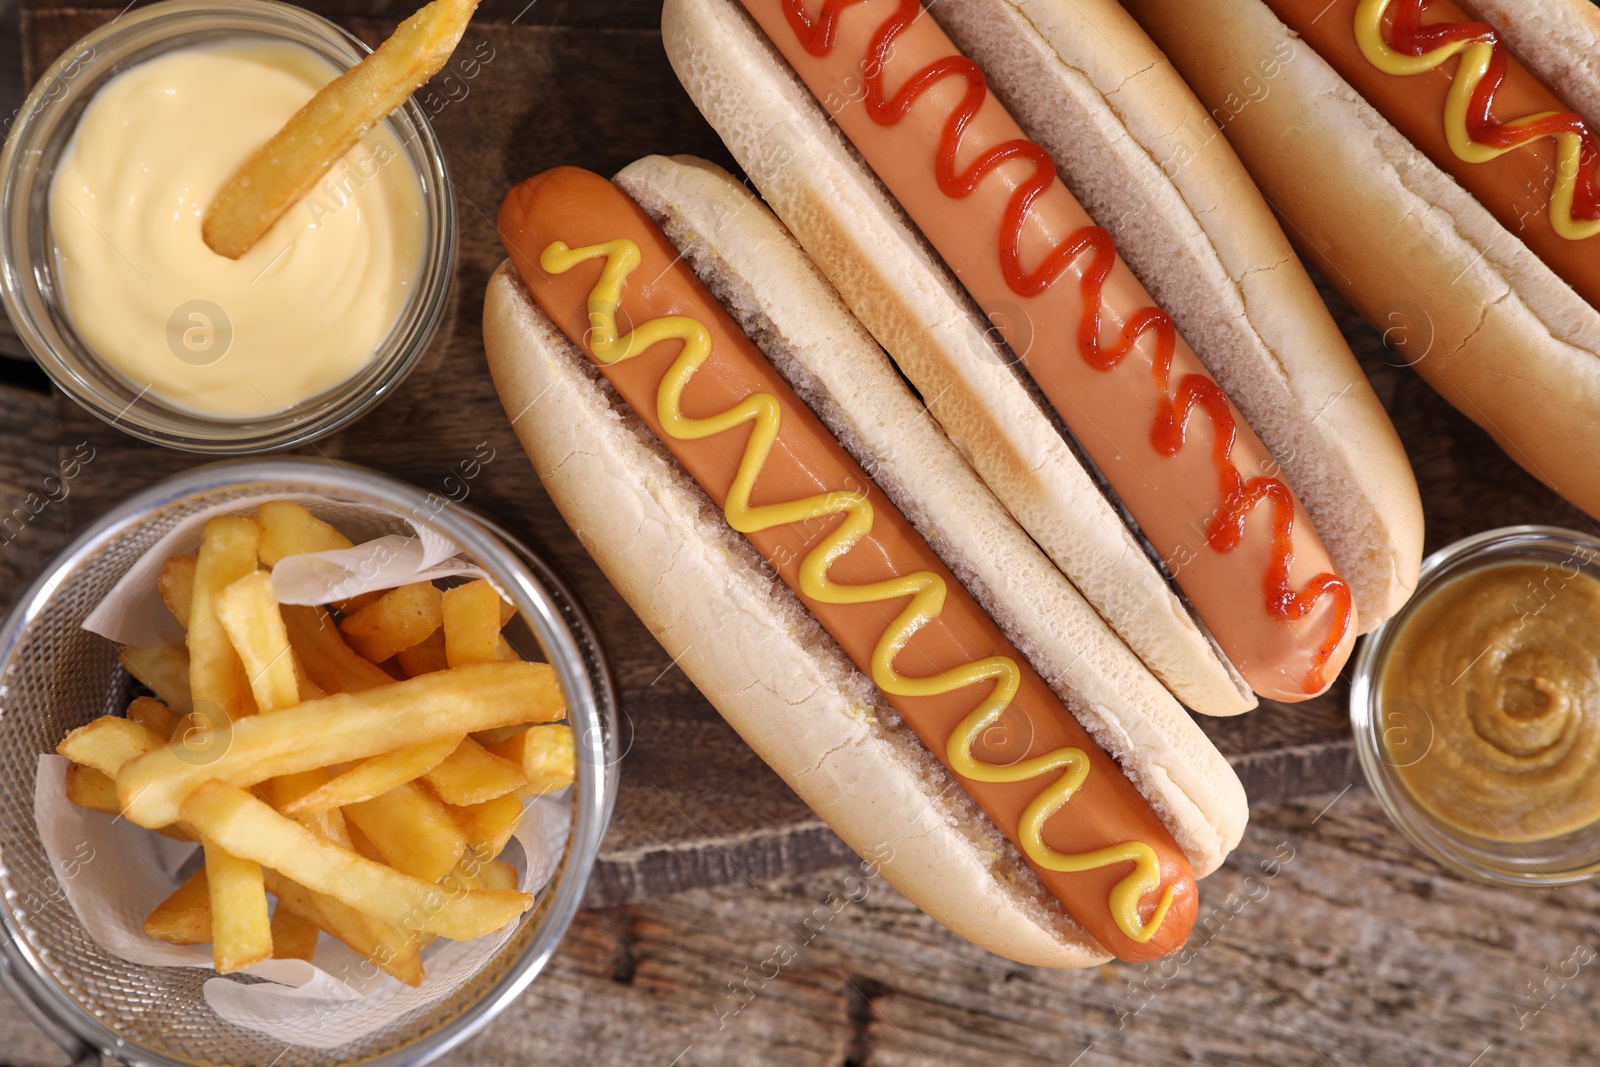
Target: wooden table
[(1357, 950)]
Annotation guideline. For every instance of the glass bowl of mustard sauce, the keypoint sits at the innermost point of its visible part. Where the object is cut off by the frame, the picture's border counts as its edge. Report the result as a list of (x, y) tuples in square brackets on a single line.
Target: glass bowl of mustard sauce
[(1476, 709), (110, 165)]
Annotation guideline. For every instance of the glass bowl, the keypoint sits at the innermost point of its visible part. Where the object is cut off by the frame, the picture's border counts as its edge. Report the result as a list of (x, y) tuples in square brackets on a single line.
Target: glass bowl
[(1560, 860), (55, 676), (30, 288)]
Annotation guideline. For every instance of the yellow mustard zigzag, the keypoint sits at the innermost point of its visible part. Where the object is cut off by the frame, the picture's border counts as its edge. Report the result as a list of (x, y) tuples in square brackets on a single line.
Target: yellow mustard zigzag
[(926, 589), (1475, 56)]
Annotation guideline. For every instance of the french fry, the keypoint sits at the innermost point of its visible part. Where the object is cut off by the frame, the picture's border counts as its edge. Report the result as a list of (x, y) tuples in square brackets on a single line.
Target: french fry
[(393, 950), (285, 791), (362, 846), (490, 738), (345, 727), (374, 777), (470, 874), (248, 828), (411, 830), (249, 614), (282, 171), (472, 774), (394, 622), (200, 737), (294, 937), (547, 754), (497, 874), (503, 651), (184, 918), (352, 604), (489, 825), (164, 670), (92, 789), (153, 715), (290, 530), (217, 680), (104, 747), (176, 586), (462, 878), (241, 933), (309, 690), (109, 742), (327, 660), (424, 657), (472, 624)]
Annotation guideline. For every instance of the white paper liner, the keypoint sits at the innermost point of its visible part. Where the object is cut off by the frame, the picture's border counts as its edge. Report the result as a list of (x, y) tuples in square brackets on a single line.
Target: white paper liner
[(114, 873)]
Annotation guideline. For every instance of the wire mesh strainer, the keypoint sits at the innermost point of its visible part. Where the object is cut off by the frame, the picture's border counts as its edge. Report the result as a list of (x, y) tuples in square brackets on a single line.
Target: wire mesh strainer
[(55, 676)]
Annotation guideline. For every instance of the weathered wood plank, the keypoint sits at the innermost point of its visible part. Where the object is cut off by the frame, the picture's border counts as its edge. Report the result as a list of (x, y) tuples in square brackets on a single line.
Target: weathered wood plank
[(1326, 940), (33, 493)]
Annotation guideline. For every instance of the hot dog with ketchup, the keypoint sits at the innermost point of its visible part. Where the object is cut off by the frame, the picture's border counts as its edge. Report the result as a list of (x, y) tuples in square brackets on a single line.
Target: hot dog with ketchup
[(1468, 227), (598, 287), (1213, 501)]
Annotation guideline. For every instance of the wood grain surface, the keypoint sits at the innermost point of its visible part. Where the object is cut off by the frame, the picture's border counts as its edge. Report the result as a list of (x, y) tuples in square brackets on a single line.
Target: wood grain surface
[(1325, 941), (1357, 951), (589, 84)]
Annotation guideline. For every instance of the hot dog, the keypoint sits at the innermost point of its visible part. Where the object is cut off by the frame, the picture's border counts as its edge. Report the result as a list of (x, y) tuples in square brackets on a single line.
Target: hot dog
[(1410, 71), (1113, 844), (1212, 500), (1447, 187)]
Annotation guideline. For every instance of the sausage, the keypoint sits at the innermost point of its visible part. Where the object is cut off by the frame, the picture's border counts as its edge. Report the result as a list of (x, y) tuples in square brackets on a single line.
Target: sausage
[(712, 399), (1201, 485)]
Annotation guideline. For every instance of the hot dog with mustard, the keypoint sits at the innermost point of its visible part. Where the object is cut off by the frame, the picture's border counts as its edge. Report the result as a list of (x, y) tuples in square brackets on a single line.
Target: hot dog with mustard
[(1113, 864)]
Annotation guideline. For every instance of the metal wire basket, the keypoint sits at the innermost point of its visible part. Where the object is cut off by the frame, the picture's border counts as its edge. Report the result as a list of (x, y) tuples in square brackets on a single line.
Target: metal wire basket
[(55, 676)]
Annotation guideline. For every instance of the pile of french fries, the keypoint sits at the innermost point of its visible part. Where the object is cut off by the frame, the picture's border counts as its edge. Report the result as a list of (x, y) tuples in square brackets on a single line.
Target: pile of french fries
[(363, 763)]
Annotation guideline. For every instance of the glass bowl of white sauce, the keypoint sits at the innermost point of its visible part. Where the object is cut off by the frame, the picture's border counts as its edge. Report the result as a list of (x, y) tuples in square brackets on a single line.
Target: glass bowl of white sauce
[(109, 167)]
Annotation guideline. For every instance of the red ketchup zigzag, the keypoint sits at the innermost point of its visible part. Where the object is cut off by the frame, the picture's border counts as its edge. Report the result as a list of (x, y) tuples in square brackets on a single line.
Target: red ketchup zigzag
[(1410, 36), (1239, 495)]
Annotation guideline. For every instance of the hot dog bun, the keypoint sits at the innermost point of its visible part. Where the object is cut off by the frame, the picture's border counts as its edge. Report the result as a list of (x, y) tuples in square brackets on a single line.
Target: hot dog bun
[(1479, 315), (1297, 377), (754, 650)]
